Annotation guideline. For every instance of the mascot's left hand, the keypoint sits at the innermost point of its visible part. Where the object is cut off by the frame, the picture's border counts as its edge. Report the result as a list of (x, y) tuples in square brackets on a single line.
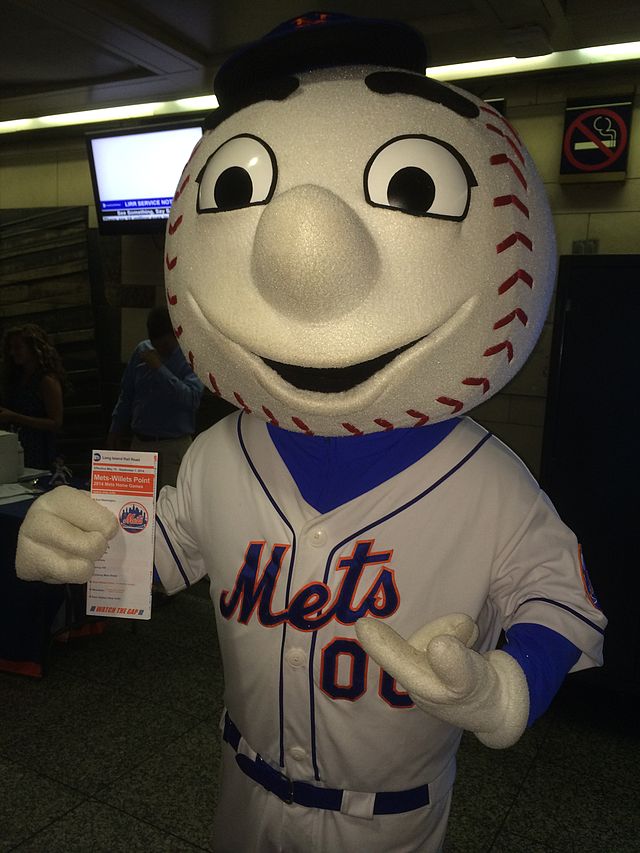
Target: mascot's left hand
[(483, 693)]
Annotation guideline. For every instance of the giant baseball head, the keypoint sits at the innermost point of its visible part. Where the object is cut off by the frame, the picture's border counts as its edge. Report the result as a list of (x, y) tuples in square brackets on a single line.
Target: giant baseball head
[(354, 247)]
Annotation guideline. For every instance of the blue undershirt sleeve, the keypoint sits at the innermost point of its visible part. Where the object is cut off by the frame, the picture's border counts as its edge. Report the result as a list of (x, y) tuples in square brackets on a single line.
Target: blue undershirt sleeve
[(545, 657)]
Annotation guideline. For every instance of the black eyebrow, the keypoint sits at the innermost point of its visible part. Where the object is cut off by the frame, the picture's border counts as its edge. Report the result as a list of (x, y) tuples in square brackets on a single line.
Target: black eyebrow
[(271, 89), (402, 83)]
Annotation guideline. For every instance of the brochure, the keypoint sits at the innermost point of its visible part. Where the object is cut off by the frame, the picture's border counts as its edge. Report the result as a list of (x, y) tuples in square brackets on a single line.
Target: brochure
[(125, 483)]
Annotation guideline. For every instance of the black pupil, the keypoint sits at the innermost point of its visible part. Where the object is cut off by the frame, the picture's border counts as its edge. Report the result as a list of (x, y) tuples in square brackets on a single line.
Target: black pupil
[(233, 188), (412, 190)]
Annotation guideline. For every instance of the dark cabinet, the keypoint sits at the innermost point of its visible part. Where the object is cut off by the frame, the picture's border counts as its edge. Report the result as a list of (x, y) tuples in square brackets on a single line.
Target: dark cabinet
[(590, 459)]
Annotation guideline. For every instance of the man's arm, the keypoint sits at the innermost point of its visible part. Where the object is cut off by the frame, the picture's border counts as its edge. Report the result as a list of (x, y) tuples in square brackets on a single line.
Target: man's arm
[(186, 389), (121, 415)]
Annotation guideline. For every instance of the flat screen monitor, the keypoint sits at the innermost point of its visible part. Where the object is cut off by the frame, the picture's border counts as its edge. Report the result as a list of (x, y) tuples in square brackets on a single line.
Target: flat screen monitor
[(135, 173)]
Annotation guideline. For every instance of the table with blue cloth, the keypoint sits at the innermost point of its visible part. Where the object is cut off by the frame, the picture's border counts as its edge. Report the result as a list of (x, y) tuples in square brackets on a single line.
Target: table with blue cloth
[(30, 611), (27, 608)]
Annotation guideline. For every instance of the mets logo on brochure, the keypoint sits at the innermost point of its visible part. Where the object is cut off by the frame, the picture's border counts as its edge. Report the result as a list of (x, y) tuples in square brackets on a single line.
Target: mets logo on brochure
[(133, 517)]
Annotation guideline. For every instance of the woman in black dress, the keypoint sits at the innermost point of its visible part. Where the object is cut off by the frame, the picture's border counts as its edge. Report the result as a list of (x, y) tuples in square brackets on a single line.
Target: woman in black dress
[(33, 380)]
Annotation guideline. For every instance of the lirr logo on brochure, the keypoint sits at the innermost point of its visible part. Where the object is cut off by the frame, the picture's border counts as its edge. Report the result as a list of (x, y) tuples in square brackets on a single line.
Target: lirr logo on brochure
[(133, 517)]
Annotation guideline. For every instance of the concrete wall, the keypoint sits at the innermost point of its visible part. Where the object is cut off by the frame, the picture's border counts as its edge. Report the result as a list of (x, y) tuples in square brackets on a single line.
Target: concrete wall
[(34, 174)]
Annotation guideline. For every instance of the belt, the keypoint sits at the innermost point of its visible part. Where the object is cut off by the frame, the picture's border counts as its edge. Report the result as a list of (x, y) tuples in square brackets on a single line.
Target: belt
[(313, 796)]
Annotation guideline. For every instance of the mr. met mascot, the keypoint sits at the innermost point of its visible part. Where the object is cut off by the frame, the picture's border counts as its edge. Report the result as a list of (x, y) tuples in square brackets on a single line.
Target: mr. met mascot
[(356, 256)]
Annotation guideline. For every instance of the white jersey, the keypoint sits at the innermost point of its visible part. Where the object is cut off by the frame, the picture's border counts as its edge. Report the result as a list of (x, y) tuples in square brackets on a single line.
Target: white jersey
[(465, 529)]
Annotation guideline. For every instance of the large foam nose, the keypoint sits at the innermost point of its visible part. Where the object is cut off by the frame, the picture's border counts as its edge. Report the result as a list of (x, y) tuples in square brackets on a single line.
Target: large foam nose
[(313, 257)]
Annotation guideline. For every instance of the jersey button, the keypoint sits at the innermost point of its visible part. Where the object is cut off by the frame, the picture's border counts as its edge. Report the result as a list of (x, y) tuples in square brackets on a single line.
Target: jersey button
[(298, 753), (296, 657), (318, 537)]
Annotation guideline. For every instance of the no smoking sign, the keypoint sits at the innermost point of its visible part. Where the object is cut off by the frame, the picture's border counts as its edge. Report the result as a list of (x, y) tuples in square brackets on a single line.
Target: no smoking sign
[(596, 139)]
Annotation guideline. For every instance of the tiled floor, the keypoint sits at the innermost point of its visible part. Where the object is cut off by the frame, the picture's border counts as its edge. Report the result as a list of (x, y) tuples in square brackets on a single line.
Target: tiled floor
[(116, 749)]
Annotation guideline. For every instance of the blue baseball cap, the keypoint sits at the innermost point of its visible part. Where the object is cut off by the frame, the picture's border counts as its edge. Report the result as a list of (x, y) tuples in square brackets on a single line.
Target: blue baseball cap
[(321, 40)]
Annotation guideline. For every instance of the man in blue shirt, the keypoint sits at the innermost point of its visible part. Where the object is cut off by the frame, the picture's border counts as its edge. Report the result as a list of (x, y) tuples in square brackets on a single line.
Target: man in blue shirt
[(159, 398)]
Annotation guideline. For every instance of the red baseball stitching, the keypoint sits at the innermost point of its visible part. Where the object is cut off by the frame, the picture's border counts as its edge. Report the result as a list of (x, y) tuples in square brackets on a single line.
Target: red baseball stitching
[(352, 429), (514, 147), (171, 299), (214, 385), (272, 419), (519, 275), (478, 380), (173, 226), (508, 242), (516, 237), (501, 118), (502, 200), (456, 405), (178, 331), (421, 418), (509, 318), (191, 156), (180, 189), (500, 159), (191, 360), (384, 424), (302, 426), (503, 345), (242, 402), (170, 262)]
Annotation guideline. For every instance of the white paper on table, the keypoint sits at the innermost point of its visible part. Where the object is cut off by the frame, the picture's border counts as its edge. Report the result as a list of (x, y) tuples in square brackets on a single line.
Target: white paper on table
[(125, 483), (13, 492)]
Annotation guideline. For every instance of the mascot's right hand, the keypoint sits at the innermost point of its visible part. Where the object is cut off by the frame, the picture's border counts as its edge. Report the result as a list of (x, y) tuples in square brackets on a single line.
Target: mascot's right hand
[(483, 693), (63, 534)]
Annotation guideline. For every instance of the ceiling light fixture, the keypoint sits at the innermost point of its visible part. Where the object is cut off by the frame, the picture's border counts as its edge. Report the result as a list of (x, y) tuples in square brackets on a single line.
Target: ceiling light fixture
[(558, 59), (107, 114), (462, 71)]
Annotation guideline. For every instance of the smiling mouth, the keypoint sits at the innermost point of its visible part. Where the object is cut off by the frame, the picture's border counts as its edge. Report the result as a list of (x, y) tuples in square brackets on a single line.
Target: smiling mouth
[(333, 380)]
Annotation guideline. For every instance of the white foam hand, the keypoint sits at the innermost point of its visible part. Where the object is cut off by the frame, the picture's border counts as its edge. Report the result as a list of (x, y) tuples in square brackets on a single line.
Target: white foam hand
[(483, 693), (64, 532)]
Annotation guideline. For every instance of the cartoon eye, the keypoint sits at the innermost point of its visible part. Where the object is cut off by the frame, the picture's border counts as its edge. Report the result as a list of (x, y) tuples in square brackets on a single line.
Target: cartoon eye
[(421, 176), (240, 173)]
